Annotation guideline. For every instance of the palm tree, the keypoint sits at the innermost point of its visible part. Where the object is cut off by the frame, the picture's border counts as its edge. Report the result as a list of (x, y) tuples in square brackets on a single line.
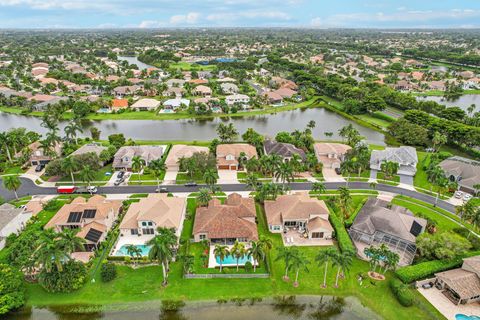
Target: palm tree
[(325, 257), (299, 262), (161, 252), (287, 254), (49, 251), (438, 140), (251, 181), (137, 166), (210, 177), (5, 141), (70, 165), (284, 173), (318, 187), (343, 262), (71, 130), (373, 185), (347, 167), (69, 241), (134, 252), (389, 168), (391, 260), (221, 252), (188, 262), (169, 236), (344, 201), (257, 251), (157, 168), (87, 174), (12, 183), (238, 251), (373, 254), (204, 197), (477, 188)]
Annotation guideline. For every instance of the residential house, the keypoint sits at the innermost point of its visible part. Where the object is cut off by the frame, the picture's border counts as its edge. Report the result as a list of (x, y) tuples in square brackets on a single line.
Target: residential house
[(93, 217), (465, 172), (157, 210), (237, 99), (95, 148), (202, 91), (285, 93), (198, 81), (145, 104), (228, 155), (12, 221), (119, 104), (226, 223), (380, 222), (123, 91), (299, 212), (176, 92), (38, 155), (285, 150), (437, 85), (279, 82), (405, 156), (123, 158), (331, 155), (175, 83), (273, 97), (229, 88), (179, 151), (461, 285), (174, 104)]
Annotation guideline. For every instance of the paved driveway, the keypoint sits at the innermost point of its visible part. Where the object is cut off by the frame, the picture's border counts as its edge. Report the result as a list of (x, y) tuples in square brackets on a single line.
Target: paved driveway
[(227, 176), (406, 179), (170, 176), (330, 175)]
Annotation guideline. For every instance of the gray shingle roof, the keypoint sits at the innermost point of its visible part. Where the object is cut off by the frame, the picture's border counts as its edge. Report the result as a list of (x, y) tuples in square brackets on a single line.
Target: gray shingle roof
[(285, 150)]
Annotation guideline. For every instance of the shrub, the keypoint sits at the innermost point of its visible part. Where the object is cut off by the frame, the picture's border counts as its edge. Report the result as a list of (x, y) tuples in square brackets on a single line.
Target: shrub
[(116, 258), (12, 289), (108, 272), (402, 292), (344, 241), (423, 270), (71, 278), (248, 266)]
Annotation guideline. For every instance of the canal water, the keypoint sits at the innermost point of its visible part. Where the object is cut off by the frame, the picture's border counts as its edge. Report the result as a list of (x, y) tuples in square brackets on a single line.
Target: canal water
[(200, 130), (279, 308), (134, 60), (462, 102)]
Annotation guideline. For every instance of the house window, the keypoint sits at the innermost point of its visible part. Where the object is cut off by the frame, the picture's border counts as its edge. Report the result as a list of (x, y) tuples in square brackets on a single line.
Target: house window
[(202, 237), (242, 239), (148, 231), (317, 235), (276, 228), (134, 231), (290, 223)]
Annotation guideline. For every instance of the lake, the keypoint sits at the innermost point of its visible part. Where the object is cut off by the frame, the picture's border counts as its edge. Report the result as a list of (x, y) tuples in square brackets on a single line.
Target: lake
[(279, 308), (134, 60), (200, 130), (463, 101)]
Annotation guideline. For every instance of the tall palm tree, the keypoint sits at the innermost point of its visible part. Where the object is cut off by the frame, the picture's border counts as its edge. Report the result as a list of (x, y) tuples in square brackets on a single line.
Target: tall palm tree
[(343, 262), (389, 168), (12, 183), (71, 130), (251, 181), (287, 254), (169, 236), (318, 187), (5, 141), (134, 252), (325, 257), (49, 252), (210, 177), (70, 165), (137, 166), (299, 262), (257, 252), (157, 168), (391, 260), (344, 201), (161, 252), (284, 173), (204, 197), (87, 174), (69, 241), (347, 167), (238, 251), (221, 252)]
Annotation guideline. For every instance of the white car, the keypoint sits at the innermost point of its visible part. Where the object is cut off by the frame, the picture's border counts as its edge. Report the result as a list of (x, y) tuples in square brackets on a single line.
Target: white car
[(467, 197), (458, 194)]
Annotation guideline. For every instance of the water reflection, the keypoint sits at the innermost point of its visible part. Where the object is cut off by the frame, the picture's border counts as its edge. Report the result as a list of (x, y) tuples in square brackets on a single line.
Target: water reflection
[(327, 307), (288, 306), (463, 102)]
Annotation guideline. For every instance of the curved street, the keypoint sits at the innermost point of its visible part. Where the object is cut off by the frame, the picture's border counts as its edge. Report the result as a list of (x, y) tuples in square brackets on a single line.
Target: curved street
[(30, 188)]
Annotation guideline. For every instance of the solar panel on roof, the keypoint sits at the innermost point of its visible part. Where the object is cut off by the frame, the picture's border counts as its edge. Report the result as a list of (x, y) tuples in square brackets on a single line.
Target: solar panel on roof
[(93, 235), (89, 213), (74, 217), (416, 228)]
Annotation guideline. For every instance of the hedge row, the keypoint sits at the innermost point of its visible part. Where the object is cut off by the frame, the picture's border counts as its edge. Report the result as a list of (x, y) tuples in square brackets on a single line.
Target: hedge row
[(401, 291), (423, 270), (349, 221), (344, 241)]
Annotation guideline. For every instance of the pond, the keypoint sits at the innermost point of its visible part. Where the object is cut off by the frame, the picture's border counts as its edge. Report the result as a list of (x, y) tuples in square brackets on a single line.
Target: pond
[(463, 102), (134, 60), (278, 308), (201, 130)]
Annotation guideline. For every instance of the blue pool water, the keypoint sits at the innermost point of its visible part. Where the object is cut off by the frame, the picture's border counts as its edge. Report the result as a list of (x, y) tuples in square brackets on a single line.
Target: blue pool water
[(465, 317), (123, 250), (232, 260)]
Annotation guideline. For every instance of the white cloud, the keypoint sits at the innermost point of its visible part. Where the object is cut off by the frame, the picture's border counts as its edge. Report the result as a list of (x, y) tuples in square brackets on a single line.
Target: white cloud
[(145, 24), (222, 17), (189, 18)]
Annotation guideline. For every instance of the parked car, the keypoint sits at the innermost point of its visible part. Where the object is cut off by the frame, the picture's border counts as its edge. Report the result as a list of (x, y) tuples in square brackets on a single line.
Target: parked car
[(161, 190), (191, 184), (458, 194), (338, 171), (90, 189), (120, 174), (118, 182), (467, 197), (427, 285), (39, 168)]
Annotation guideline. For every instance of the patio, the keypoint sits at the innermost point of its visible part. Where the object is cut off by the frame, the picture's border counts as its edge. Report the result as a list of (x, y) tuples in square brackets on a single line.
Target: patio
[(295, 238), (130, 239), (405, 257), (212, 261), (446, 307)]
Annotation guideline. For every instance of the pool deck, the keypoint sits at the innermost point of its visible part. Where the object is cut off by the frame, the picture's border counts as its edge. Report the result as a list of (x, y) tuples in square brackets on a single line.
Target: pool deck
[(446, 307), (212, 262), (130, 239)]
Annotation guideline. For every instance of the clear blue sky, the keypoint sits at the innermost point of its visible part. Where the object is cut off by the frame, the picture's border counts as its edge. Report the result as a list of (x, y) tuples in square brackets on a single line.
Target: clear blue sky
[(239, 13)]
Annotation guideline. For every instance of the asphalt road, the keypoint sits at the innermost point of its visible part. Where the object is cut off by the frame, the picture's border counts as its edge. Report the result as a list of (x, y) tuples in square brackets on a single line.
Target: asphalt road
[(28, 187)]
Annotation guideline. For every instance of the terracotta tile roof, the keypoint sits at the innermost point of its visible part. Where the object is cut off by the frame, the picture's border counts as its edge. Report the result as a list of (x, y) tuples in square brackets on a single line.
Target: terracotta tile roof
[(182, 151), (234, 149), (234, 219), (119, 103)]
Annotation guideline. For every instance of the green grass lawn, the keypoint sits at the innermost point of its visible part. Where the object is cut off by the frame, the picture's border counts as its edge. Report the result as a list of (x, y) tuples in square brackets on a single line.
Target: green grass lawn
[(13, 170), (373, 120), (185, 66), (183, 177), (99, 175), (395, 180)]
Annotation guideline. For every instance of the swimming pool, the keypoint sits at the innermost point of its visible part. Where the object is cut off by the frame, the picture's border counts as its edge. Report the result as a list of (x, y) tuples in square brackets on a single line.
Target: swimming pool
[(232, 260), (124, 252), (465, 317)]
